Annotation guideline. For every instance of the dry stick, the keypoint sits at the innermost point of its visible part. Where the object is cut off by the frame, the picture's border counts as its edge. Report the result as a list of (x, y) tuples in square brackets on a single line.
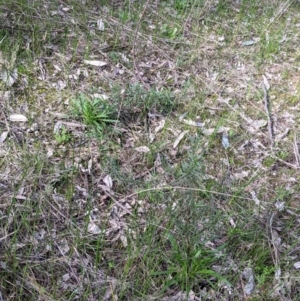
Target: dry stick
[(286, 163), (116, 202), (270, 121), (273, 242), (134, 41), (243, 288), (296, 151), (271, 128), (4, 237)]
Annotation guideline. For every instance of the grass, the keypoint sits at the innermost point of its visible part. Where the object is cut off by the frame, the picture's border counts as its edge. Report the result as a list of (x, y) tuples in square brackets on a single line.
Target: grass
[(96, 201), (95, 113)]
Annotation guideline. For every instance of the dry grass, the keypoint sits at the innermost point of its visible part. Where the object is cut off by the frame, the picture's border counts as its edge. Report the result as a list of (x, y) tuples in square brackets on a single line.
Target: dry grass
[(155, 206)]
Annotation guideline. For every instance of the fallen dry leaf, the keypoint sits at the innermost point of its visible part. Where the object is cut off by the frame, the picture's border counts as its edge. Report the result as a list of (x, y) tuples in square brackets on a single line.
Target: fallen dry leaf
[(93, 228), (3, 136), (95, 63), (266, 83), (142, 149), (18, 117), (179, 138), (108, 181), (193, 123), (160, 126)]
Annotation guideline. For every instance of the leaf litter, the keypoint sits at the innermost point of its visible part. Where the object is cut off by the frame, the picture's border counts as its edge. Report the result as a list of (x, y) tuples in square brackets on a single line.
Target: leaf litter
[(237, 112)]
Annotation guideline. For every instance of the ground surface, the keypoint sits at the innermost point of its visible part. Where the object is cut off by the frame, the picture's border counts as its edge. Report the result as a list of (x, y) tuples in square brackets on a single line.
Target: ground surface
[(149, 150)]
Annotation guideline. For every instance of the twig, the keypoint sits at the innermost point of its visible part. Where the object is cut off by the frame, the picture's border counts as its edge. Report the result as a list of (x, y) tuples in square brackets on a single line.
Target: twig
[(296, 151), (286, 163), (134, 41), (272, 240), (4, 237), (116, 202), (270, 121), (243, 288)]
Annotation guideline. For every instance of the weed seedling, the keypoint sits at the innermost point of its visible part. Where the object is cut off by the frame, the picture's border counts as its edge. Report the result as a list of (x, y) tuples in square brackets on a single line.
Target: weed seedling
[(63, 136)]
